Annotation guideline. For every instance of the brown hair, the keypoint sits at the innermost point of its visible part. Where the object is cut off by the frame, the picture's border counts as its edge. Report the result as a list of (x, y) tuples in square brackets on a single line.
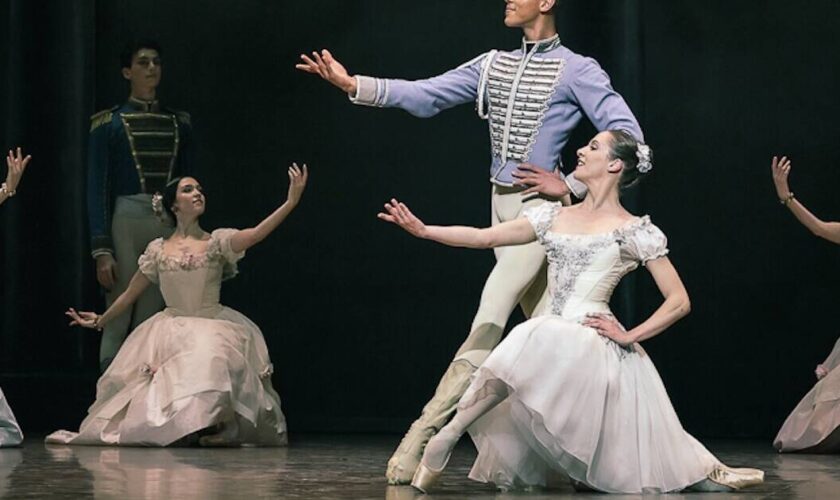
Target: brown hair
[(625, 147)]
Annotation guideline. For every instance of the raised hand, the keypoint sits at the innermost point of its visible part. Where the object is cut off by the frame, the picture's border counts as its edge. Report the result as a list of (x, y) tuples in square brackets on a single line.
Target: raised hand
[(328, 68), (399, 214), (83, 319), (781, 170), (17, 164), (607, 326), (540, 181), (297, 182)]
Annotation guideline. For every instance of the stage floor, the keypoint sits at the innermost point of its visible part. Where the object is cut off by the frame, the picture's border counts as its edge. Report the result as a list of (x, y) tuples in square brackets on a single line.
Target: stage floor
[(330, 466)]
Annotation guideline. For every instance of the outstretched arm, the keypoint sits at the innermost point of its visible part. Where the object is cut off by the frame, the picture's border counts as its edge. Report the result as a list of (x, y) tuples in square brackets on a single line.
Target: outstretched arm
[(515, 232), (16, 164), (247, 238), (673, 308), (423, 98), (827, 230), (137, 286)]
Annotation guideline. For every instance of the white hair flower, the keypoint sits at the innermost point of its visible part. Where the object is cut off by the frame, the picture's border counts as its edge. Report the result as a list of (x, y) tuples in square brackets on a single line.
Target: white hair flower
[(643, 154)]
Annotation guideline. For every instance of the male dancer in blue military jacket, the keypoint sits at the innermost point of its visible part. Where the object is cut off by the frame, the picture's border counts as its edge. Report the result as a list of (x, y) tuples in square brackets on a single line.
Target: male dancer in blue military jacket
[(134, 150), (533, 98)]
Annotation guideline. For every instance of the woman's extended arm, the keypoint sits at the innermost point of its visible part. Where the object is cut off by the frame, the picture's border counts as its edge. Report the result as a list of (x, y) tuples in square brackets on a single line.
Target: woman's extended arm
[(136, 286), (246, 238), (515, 232), (827, 230)]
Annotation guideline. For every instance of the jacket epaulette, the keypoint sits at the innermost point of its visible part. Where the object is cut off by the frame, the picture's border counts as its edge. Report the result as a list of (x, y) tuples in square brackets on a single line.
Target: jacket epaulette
[(184, 117), (101, 118)]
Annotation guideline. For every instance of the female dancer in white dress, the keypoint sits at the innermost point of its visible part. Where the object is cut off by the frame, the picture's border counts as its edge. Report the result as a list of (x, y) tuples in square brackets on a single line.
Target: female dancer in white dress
[(813, 425), (197, 366), (571, 390), (10, 433)]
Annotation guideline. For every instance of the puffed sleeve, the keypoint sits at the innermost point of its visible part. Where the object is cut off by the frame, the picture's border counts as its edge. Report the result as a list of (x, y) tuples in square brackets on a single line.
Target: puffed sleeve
[(148, 261), (221, 240), (646, 242), (541, 217)]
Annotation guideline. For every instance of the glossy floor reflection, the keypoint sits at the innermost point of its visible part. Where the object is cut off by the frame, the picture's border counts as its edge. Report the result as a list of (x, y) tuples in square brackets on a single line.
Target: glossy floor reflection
[(330, 466)]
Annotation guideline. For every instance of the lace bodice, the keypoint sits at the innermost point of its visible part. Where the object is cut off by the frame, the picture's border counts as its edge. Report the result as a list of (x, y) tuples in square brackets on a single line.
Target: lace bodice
[(191, 283), (583, 269)]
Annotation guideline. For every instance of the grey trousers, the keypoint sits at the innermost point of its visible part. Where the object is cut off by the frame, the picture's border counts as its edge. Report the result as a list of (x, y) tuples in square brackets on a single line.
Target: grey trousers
[(133, 226), (519, 277)]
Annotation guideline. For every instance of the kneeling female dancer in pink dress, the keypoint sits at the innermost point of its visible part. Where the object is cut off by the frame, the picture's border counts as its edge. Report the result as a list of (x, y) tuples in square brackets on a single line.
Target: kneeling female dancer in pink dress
[(196, 371), (814, 425), (10, 433)]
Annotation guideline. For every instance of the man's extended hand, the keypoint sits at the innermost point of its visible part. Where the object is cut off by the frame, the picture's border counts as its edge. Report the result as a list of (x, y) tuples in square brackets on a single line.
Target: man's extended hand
[(539, 181), (327, 67)]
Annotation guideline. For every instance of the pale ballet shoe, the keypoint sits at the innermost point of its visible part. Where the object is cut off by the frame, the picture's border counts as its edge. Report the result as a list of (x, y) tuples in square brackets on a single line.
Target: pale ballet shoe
[(425, 477), (403, 464), (736, 478)]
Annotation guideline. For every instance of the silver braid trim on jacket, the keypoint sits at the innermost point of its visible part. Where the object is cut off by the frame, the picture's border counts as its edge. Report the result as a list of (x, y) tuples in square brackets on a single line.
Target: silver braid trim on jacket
[(370, 91), (481, 99), (519, 94)]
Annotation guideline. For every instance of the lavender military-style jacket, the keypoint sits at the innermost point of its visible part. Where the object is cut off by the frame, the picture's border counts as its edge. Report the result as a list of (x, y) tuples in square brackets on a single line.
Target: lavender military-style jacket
[(532, 97)]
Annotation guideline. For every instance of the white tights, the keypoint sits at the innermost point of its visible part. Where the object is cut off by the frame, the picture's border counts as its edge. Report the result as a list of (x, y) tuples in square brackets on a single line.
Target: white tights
[(440, 446)]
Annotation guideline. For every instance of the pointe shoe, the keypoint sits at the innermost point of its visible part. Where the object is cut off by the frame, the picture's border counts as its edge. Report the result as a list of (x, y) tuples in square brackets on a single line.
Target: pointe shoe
[(736, 478), (425, 477), (403, 464)]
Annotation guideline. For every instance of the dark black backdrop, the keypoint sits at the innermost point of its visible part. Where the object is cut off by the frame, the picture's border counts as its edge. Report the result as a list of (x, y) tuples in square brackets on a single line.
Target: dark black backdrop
[(360, 319)]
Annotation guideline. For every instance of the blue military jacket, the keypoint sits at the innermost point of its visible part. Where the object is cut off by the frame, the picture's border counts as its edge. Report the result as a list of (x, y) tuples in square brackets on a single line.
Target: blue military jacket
[(134, 148), (532, 97)]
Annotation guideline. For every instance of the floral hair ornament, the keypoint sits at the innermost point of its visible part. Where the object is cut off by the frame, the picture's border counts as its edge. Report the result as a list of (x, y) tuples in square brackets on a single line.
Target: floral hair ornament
[(157, 205), (643, 154)]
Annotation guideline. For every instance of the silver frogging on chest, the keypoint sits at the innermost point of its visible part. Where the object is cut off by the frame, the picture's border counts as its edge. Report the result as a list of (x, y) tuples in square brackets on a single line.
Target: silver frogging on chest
[(514, 93), (567, 261)]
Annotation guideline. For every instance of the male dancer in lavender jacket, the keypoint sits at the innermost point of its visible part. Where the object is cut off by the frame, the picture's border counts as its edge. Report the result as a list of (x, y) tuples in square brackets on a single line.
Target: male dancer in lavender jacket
[(533, 98)]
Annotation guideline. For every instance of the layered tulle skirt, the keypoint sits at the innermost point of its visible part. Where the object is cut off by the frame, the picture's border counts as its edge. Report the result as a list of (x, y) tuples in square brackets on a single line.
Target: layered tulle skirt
[(581, 405), (814, 425), (177, 375)]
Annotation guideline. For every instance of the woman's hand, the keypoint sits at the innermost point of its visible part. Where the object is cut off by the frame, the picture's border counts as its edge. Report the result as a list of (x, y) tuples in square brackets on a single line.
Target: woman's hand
[(608, 326), (781, 170), (83, 319), (400, 215), (17, 164), (297, 182), (821, 372), (329, 69)]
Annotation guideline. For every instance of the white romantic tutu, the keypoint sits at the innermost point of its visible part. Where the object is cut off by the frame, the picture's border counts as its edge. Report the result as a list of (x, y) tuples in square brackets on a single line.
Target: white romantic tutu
[(580, 404)]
